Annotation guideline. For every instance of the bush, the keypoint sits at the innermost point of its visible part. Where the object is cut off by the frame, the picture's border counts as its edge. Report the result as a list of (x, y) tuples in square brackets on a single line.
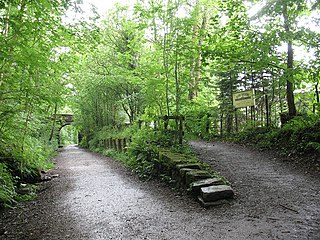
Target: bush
[(143, 151), (34, 157), (7, 186), (21, 162), (301, 135)]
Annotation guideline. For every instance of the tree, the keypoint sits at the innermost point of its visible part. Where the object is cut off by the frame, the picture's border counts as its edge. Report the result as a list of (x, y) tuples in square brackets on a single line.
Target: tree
[(287, 14), (33, 78)]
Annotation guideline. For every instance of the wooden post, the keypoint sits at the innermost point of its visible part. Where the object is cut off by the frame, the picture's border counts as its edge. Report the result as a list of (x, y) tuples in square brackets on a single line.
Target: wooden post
[(181, 129), (267, 109), (166, 122), (119, 148), (124, 144), (236, 119)]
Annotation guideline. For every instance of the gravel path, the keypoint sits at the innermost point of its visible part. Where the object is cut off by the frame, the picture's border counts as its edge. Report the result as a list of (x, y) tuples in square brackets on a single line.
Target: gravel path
[(95, 197), (274, 200)]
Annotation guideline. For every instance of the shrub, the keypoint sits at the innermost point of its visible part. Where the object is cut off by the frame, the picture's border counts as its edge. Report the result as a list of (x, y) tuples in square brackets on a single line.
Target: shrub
[(143, 151), (300, 135), (7, 186)]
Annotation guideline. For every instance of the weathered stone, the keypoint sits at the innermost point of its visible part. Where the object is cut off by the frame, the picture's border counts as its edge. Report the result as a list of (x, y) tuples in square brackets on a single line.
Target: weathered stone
[(23, 191), (188, 165), (179, 175), (183, 172), (46, 178), (214, 193), (196, 186), (169, 161), (210, 204), (195, 175)]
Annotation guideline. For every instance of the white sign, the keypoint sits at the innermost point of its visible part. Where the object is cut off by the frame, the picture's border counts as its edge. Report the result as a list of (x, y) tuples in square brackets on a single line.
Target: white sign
[(243, 99)]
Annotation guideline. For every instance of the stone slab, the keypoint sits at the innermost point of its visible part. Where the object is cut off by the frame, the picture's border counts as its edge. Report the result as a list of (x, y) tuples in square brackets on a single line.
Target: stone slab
[(183, 172), (214, 193), (188, 165), (197, 185), (210, 204), (196, 175)]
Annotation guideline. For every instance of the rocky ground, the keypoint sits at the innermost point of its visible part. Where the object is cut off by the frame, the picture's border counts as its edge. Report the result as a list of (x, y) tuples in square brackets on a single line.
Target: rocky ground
[(95, 197)]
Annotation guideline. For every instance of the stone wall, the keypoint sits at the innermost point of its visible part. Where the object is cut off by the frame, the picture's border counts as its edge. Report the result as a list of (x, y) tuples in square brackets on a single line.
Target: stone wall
[(186, 172)]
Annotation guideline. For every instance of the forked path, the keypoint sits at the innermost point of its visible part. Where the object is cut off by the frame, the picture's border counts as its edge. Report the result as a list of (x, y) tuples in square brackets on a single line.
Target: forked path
[(96, 198)]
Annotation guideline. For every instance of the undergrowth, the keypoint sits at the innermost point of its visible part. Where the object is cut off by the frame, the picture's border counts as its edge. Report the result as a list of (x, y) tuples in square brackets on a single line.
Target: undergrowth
[(142, 154), (22, 162), (300, 136)]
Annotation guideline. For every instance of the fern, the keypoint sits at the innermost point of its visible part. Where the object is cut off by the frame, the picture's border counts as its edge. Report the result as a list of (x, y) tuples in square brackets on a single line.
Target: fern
[(7, 186), (313, 146)]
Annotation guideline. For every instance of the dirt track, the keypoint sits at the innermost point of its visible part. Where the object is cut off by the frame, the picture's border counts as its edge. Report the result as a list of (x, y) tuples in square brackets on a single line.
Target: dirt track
[(96, 198)]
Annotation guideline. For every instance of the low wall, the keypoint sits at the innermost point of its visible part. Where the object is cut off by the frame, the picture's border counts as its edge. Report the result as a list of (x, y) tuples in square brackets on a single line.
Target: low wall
[(186, 172), (118, 144), (190, 174)]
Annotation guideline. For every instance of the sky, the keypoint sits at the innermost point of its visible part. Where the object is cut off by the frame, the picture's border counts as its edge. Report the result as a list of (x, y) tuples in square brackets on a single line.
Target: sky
[(102, 5)]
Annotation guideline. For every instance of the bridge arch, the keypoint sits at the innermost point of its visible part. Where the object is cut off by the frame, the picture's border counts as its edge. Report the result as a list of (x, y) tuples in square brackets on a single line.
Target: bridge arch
[(63, 120)]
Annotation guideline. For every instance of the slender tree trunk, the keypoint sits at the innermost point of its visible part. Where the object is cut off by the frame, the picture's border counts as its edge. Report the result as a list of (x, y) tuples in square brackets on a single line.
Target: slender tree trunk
[(289, 75), (199, 59), (221, 125), (177, 81), (317, 97), (195, 71), (193, 63), (267, 110), (166, 69), (54, 122)]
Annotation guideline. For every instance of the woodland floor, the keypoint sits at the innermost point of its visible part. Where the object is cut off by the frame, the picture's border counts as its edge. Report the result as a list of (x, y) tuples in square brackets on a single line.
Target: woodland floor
[(95, 197)]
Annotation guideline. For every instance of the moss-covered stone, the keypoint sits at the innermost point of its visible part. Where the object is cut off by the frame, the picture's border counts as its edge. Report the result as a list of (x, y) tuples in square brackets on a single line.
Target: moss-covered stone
[(189, 165), (183, 172), (169, 162), (196, 175)]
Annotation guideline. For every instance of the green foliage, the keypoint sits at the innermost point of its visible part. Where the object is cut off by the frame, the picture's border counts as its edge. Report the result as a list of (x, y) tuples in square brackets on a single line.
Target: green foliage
[(34, 158), (143, 150), (68, 135), (163, 58), (7, 186), (199, 122), (301, 136), (27, 192), (34, 66)]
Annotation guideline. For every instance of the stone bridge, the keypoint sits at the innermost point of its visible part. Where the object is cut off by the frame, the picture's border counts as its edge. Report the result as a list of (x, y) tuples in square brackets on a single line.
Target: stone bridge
[(63, 120)]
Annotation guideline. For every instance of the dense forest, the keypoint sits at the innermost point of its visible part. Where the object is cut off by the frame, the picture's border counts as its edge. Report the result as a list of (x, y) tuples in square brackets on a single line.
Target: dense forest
[(146, 69)]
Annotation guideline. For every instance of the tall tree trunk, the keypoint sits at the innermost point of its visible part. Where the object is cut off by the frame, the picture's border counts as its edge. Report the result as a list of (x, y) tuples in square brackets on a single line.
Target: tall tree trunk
[(193, 63), (53, 122), (199, 59), (195, 70), (317, 97), (317, 93), (166, 69), (289, 75)]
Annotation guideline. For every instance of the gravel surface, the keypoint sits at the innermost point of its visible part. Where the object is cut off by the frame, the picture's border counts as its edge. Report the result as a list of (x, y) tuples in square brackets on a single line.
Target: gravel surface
[(95, 197)]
